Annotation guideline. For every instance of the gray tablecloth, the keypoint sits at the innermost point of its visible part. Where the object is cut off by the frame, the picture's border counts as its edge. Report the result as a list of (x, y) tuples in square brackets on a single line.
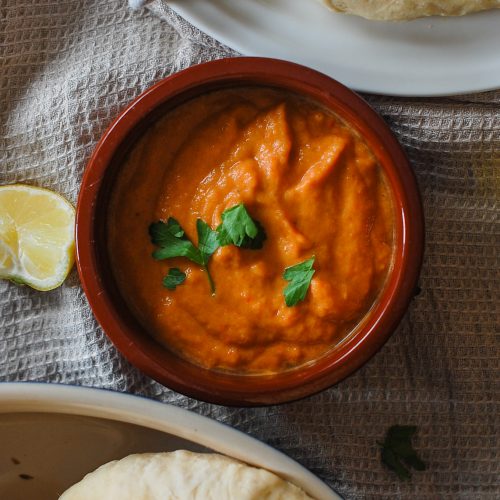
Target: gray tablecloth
[(68, 67)]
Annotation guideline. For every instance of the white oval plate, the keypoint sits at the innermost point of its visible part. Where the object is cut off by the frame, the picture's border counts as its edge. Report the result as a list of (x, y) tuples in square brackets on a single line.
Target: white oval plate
[(52, 435), (425, 57)]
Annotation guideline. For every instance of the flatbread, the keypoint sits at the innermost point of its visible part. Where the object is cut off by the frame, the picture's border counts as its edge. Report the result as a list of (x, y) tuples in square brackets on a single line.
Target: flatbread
[(181, 475), (393, 10)]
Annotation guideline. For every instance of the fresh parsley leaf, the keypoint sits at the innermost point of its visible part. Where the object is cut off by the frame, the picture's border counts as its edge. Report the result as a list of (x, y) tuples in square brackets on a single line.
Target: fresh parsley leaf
[(208, 241), (397, 451), (174, 278), (174, 227), (299, 277), (172, 241), (238, 228)]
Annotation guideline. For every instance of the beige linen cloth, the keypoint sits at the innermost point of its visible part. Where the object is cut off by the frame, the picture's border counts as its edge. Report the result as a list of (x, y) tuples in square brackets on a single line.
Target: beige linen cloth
[(67, 67)]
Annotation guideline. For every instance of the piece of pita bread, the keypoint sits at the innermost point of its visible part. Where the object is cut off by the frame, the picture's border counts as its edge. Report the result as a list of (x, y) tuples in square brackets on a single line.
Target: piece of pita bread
[(181, 475), (394, 10)]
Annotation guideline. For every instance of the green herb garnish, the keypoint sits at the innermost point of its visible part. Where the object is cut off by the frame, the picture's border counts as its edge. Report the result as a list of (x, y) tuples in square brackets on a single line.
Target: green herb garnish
[(173, 242), (174, 278), (299, 277), (208, 244), (397, 448), (238, 228)]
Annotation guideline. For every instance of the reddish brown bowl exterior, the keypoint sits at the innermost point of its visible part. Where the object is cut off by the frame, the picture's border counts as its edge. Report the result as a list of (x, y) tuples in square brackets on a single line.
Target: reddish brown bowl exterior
[(109, 307)]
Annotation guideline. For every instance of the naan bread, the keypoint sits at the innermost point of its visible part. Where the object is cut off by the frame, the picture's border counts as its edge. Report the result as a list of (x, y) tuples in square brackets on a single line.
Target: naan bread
[(181, 475), (392, 10)]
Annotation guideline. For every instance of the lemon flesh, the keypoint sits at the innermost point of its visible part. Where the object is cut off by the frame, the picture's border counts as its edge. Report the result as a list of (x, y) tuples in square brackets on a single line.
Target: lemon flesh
[(37, 242)]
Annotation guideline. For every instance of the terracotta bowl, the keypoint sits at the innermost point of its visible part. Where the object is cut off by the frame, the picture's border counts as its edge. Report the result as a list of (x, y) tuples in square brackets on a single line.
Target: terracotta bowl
[(94, 262)]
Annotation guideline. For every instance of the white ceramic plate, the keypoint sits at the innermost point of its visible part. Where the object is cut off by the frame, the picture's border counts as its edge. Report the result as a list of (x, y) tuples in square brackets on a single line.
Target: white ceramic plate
[(425, 57), (52, 435)]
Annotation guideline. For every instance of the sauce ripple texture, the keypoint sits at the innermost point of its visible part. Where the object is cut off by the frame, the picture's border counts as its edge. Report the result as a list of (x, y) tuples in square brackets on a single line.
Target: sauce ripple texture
[(310, 180)]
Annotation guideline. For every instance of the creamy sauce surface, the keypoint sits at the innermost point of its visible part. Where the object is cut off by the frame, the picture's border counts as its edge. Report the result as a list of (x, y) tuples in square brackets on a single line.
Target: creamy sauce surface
[(312, 183)]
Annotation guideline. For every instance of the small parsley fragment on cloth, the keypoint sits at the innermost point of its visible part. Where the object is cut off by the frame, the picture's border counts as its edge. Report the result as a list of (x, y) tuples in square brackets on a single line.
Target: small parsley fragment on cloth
[(398, 453), (238, 228), (174, 278), (299, 276), (173, 242)]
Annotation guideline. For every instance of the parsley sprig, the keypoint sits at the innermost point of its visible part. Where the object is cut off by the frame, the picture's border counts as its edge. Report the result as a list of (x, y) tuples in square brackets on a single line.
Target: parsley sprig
[(299, 276), (173, 242), (397, 451), (237, 228), (174, 278)]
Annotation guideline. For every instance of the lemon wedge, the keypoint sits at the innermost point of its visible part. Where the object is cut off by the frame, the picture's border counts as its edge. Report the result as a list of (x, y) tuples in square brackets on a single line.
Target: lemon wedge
[(37, 242)]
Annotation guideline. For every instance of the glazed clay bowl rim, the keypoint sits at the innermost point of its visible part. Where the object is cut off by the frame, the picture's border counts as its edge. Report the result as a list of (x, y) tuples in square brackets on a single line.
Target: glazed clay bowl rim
[(234, 389)]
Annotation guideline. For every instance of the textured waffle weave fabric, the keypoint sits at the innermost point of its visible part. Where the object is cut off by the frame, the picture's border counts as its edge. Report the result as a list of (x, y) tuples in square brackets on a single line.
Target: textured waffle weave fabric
[(67, 67)]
